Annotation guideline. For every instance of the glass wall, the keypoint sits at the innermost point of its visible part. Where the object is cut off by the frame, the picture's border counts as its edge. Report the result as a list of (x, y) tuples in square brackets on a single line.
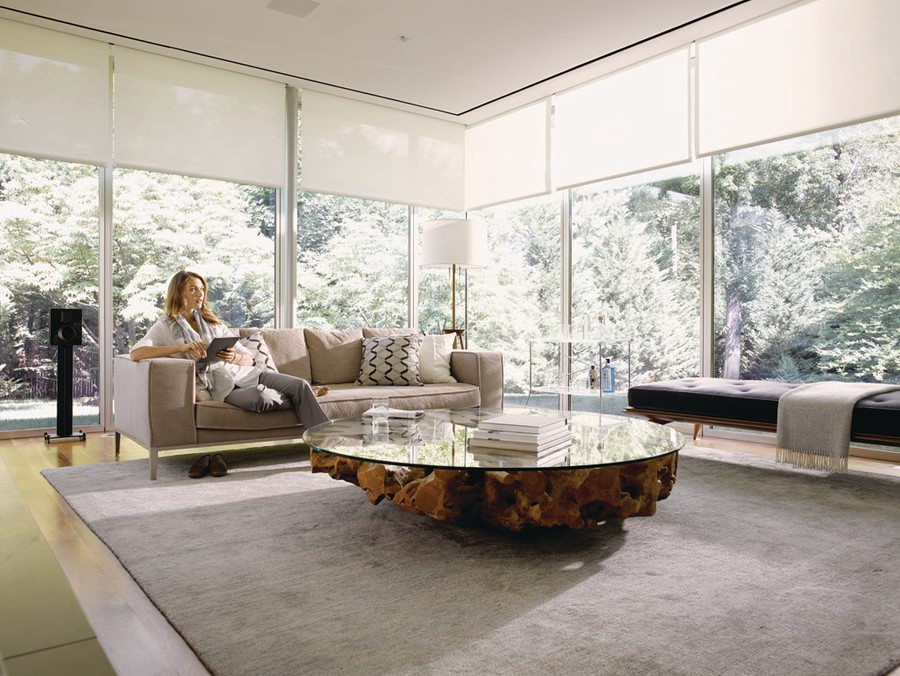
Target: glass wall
[(636, 279), (165, 223), (807, 263), (516, 299), (49, 258), (352, 263)]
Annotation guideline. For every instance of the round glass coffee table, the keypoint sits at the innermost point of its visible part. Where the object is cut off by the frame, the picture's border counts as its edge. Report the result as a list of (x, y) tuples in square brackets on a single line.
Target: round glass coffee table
[(616, 467)]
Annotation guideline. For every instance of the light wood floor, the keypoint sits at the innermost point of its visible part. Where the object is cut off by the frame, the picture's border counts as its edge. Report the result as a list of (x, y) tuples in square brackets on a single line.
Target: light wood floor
[(135, 637)]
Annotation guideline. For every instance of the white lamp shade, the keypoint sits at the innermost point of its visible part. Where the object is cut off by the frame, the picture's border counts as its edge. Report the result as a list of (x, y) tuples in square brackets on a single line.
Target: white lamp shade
[(456, 241)]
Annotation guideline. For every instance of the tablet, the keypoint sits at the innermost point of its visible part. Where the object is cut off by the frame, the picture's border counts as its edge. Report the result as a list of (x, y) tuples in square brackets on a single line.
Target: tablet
[(216, 345)]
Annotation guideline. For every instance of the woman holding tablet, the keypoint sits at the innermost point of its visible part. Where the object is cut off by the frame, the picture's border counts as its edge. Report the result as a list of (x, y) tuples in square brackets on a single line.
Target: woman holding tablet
[(185, 331)]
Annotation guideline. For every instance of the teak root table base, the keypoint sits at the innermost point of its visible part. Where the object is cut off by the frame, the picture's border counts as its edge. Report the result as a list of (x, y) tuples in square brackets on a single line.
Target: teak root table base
[(559, 496)]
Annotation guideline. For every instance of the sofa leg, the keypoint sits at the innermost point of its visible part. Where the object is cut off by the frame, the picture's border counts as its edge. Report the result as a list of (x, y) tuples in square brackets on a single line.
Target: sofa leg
[(696, 431), (118, 443), (154, 457)]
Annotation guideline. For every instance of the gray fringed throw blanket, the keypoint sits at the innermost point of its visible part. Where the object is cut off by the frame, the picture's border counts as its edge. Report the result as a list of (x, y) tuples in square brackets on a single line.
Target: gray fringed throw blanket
[(814, 423)]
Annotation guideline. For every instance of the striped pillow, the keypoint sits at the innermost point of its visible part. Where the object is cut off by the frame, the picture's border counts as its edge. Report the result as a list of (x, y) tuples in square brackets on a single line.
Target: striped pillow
[(390, 360)]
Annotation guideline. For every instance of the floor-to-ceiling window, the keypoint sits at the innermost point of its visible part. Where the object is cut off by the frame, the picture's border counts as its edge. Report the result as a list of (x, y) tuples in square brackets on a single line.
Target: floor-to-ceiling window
[(636, 278), (352, 263), (49, 258), (807, 262), (516, 298), (165, 223)]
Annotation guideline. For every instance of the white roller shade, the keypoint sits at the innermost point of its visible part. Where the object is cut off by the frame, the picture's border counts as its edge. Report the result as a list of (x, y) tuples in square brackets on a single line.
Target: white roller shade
[(364, 150), (632, 120), (818, 65), (54, 94), (190, 119), (508, 157)]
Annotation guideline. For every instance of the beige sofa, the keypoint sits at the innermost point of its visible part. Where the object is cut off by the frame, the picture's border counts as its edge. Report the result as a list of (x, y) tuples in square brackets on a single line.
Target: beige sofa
[(155, 399)]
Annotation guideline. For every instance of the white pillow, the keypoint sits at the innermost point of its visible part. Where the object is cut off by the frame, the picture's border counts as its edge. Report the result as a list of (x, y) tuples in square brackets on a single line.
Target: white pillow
[(262, 356), (434, 359)]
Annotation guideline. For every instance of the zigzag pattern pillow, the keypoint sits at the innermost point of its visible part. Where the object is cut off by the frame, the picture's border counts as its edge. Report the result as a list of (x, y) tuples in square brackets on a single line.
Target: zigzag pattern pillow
[(262, 357), (390, 360)]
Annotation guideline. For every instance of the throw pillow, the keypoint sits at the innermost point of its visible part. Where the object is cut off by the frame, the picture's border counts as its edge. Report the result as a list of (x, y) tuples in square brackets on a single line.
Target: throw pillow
[(262, 356), (434, 359), (334, 355), (390, 360)]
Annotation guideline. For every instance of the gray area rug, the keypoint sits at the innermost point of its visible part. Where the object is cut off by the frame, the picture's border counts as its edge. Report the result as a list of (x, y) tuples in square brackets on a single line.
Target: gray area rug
[(748, 568)]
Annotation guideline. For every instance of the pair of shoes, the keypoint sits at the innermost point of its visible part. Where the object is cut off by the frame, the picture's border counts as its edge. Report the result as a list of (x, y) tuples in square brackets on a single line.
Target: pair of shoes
[(217, 466), (200, 468)]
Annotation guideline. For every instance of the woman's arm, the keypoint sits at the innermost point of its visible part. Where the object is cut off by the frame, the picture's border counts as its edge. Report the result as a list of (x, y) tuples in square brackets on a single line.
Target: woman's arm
[(197, 349)]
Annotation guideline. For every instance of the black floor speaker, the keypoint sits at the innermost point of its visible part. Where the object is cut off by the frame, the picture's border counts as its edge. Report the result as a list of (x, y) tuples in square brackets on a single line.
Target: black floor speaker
[(65, 333)]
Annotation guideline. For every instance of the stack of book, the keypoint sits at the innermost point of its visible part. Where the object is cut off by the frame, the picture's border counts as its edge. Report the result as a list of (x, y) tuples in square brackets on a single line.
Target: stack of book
[(521, 440)]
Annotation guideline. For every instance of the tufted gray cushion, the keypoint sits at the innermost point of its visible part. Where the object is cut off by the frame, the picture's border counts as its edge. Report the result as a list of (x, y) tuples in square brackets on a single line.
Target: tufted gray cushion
[(390, 360)]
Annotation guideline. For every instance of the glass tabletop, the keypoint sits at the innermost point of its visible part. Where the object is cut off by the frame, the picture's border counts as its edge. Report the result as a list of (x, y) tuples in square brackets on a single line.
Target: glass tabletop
[(439, 439)]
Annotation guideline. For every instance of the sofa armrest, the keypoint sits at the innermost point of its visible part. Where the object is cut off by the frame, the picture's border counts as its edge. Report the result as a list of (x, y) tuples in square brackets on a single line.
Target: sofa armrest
[(154, 401), (482, 368)]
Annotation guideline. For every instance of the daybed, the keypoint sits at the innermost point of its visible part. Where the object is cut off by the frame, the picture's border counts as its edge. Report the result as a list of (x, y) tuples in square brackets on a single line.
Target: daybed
[(752, 404), (155, 399)]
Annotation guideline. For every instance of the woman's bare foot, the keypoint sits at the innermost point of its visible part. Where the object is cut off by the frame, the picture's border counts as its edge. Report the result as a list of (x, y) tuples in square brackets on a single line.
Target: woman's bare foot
[(321, 391)]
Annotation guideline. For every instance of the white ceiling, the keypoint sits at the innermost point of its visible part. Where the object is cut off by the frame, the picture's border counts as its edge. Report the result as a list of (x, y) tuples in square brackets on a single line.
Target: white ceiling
[(457, 59)]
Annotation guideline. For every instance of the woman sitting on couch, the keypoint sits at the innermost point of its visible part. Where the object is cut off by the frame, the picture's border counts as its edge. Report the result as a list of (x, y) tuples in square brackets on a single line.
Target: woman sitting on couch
[(187, 328)]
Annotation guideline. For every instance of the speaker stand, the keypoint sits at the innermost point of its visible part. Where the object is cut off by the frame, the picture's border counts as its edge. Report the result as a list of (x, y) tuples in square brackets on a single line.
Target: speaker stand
[(64, 394)]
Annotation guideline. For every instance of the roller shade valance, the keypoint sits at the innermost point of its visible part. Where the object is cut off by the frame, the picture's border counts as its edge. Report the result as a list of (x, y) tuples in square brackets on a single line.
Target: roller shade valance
[(186, 118), (364, 150), (54, 94), (508, 157), (631, 120), (815, 66)]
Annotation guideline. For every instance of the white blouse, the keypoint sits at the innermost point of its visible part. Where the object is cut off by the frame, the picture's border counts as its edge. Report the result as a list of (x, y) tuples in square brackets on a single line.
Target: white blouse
[(223, 377)]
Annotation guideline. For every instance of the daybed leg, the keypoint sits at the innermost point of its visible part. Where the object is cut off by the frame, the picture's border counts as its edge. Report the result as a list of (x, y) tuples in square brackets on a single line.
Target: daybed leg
[(118, 443), (154, 456), (696, 431)]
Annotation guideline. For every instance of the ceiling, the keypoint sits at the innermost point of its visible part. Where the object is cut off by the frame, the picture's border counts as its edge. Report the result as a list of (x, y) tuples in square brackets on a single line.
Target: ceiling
[(457, 59)]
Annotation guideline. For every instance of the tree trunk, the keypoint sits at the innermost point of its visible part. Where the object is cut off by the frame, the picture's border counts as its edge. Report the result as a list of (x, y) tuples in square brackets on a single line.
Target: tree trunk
[(733, 316)]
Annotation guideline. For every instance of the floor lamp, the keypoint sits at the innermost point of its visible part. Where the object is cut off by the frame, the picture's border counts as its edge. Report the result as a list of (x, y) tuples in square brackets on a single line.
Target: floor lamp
[(454, 243)]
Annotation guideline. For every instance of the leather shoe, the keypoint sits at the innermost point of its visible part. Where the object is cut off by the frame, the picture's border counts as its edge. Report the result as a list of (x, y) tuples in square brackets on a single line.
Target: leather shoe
[(217, 466), (200, 468)]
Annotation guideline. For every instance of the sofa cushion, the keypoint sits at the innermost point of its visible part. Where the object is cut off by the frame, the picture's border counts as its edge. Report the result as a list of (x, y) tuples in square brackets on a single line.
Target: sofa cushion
[(218, 415), (259, 350), (347, 400), (390, 360), (288, 348), (334, 356), (434, 359)]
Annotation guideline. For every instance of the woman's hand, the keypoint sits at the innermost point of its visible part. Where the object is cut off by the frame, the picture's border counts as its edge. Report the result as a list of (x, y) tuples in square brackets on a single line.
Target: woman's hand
[(228, 355), (195, 348)]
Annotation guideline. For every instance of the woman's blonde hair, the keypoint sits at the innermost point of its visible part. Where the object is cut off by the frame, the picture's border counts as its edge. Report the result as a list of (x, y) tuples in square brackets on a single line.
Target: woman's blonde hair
[(175, 296)]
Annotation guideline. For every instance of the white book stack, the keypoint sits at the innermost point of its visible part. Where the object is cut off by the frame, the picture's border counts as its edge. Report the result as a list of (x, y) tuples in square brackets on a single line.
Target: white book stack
[(521, 440)]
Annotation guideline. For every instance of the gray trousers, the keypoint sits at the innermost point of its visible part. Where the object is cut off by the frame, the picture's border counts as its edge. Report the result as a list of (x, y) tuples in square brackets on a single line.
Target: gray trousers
[(279, 390)]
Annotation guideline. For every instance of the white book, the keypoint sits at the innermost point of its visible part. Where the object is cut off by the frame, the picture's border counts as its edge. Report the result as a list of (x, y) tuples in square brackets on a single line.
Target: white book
[(534, 424), (532, 446), (477, 446), (513, 461), (543, 437)]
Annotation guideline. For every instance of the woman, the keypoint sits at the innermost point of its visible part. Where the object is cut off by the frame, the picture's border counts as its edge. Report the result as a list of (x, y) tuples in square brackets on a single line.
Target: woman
[(186, 329)]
